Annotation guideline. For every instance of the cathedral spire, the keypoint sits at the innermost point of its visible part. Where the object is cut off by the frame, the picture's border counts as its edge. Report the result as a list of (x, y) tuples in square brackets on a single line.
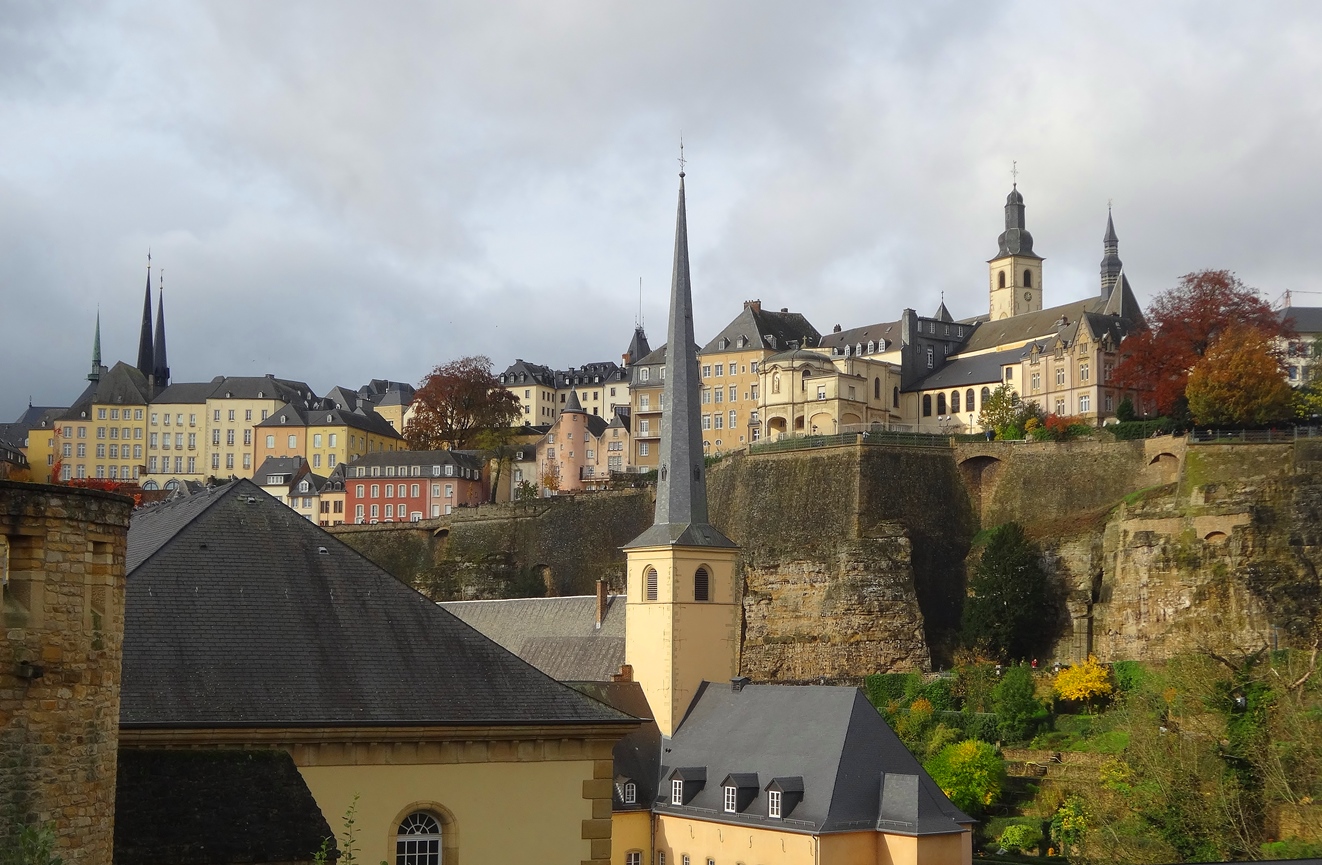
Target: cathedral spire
[(160, 367), (95, 374), (1111, 264), (681, 488), (146, 354)]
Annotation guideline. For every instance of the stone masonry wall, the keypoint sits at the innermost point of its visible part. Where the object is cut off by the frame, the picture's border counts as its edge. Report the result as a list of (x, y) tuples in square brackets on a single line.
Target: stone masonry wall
[(62, 596)]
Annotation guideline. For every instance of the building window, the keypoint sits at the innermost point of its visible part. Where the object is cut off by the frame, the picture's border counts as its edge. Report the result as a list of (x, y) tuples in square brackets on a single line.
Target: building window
[(1060, 375), (773, 803), (1085, 403), (1083, 371), (630, 795), (676, 792), (731, 798), (1009, 373), (927, 405), (706, 371), (1110, 406), (821, 391), (983, 396), (642, 448), (941, 404), (701, 585), (1060, 406), (419, 840), (1000, 279), (929, 357), (633, 857), (650, 579), (1028, 279)]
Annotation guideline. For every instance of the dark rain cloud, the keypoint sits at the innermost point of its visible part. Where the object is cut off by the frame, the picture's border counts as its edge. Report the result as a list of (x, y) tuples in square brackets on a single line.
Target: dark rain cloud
[(343, 191)]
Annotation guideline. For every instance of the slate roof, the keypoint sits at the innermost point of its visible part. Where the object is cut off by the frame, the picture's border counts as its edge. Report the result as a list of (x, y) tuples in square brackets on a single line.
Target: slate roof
[(186, 807), (183, 392), (470, 460), (843, 764), (968, 371), (291, 468), (887, 330), (765, 329), (322, 412), (33, 415), (380, 391), (239, 612), (638, 347), (1020, 329), (261, 387), (637, 757), (1305, 319), (523, 372), (120, 385), (558, 636)]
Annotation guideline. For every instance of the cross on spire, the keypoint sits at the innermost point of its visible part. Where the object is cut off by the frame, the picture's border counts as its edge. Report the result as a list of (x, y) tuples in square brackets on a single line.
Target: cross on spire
[(682, 161), (1014, 172)]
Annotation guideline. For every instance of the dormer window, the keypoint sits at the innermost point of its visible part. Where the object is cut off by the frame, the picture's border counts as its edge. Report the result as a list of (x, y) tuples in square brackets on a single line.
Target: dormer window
[(773, 803), (630, 795), (782, 795), (676, 792), (303, 487), (731, 799)]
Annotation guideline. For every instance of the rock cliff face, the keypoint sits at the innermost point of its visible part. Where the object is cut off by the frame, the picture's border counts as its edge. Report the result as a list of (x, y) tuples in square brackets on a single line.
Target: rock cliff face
[(853, 558)]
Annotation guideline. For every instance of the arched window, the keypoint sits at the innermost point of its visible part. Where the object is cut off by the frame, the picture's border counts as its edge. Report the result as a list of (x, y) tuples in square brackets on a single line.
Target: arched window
[(876, 388), (940, 403), (649, 578), (419, 840), (1028, 279), (954, 402), (848, 350), (701, 585), (895, 397), (1000, 280), (872, 346), (630, 796), (927, 405), (775, 382), (968, 399), (984, 396)]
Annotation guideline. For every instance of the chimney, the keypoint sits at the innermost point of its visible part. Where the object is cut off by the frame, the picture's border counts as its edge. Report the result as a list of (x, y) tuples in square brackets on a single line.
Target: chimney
[(625, 674), (602, 601), (754, 305)]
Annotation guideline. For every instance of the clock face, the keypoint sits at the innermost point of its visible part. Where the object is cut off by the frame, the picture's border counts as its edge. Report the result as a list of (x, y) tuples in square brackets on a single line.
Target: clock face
[(1028, 295)]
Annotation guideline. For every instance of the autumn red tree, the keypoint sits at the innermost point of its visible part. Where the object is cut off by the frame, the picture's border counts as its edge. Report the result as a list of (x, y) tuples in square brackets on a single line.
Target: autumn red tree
[(456, 402), (1240, 381), (1183, 323)]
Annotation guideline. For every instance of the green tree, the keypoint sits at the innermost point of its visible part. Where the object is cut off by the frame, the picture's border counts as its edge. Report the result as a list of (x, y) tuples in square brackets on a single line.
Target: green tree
[(1069, 825), (1008, 613), (1006, 413), (35, 846), (1019, 713), (1240, 381), (970, 773)]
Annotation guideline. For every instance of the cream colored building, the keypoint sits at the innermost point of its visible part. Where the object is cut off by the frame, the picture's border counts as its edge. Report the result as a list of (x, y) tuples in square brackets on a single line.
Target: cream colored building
[(807, 392), (327, 432), (104, 434)]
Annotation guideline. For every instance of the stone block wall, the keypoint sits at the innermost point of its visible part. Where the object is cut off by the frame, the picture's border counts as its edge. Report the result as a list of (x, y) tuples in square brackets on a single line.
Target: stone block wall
[(62, 592)]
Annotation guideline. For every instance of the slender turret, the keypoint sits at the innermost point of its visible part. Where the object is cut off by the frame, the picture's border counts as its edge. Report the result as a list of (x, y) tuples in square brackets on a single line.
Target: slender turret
[(146, 354), (1111, 264), (160, 367), (95, 373)]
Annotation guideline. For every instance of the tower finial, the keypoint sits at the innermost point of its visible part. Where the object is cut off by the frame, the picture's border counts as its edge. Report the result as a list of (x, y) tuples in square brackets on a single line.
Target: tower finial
[(1014, 172), (95, 373), (682, 161)]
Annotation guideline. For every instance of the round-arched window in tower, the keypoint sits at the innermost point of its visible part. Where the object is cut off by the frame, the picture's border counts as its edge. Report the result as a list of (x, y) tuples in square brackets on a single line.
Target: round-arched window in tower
[(701, 585), (418, 841), (650, 581)]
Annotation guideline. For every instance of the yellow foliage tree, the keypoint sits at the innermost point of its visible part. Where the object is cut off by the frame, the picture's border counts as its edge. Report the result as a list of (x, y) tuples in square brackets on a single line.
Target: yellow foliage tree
[(1239, 381), (1084, 682)]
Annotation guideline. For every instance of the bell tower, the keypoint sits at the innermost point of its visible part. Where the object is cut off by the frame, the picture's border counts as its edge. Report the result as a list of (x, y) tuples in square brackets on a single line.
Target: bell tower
[(1015, 273), (682, 607)]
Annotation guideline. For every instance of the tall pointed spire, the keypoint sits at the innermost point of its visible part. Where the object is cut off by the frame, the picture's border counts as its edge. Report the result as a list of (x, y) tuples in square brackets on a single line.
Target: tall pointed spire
[(146, 354), (160, 367), (681, 488), (1111, 264), (95, 374)]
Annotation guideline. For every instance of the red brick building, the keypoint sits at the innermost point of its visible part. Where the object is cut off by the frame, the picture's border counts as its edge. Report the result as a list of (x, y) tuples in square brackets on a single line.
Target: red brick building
[(406, 486)]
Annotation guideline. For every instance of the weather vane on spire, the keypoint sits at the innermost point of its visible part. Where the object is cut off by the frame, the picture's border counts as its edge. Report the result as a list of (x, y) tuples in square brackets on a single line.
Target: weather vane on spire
[(682, 161), (1014, 172)]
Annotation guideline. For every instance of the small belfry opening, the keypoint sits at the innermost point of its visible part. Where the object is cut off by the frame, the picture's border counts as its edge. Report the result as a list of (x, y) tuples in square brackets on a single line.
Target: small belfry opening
[(701, 585)]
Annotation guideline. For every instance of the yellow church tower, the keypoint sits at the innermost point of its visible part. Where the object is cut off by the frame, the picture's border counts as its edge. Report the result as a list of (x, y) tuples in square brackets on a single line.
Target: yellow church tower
[(1016, 272), (682, 608)]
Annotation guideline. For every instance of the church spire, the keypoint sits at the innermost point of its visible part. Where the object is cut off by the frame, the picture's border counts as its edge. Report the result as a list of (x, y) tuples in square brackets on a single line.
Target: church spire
[(681, 488), (95, 374), (146, 354), (160, 367), (1111, 264)]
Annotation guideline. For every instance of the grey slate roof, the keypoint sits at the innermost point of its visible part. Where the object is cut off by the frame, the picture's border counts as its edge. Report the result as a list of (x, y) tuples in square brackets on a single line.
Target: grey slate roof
[(969, 371), (638, 347), (183, 392), (1305, 319), (765, 329), (260, 387), (323, 411), (247, 614), (887, 330), (32, 416), (1020, 329), (119, 385), (186, 807), (558, 636), (637, 757), (829, 739)]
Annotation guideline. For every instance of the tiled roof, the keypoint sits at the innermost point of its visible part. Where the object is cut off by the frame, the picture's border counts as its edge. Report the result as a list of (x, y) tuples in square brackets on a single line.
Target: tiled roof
[(187, 807), (842, 766), (250, 615), (558, 636)]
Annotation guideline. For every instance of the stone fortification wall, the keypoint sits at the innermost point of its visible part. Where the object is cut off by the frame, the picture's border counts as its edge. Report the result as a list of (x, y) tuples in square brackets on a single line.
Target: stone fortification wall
[(62, 591), (829, 581), (558, 546)]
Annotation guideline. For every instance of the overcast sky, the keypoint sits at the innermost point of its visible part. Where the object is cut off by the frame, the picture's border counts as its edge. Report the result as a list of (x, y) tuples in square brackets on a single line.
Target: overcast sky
[(338, 192)]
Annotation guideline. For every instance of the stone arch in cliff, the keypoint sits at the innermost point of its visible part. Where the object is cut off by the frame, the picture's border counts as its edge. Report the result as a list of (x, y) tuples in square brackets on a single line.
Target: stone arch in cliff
[(1165, 466), (980, 474), (441, 533), (1215, 537)]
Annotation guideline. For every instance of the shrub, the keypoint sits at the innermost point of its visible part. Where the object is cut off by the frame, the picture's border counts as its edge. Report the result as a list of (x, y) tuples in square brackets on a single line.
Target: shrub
[(1069, 825), (940, 693), (1084, 683), (970, 773), (882, 689), (1125, 410), (1019, 713), (1292, 848), (1018, 837), (1129, 675)]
